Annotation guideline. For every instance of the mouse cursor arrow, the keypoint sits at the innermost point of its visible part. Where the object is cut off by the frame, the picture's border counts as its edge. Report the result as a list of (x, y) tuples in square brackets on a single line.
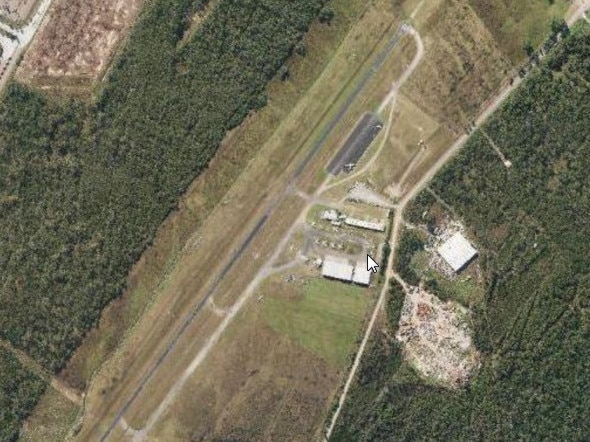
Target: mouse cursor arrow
[(371, 264)]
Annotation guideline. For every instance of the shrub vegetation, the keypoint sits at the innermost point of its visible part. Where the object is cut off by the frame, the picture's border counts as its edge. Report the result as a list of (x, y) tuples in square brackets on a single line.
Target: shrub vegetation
[(533, 326), (19, 392), (84, 186)]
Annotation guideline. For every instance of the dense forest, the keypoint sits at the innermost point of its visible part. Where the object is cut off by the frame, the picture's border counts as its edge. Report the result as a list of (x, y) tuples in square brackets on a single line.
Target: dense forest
[(84, 186), (533, 327), (19, 390)]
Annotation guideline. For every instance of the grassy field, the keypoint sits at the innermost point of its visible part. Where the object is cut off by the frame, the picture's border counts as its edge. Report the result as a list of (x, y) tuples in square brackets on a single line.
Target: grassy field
[(325, 318), (515, 23), (272, 375), (257, 385), (532, 324)]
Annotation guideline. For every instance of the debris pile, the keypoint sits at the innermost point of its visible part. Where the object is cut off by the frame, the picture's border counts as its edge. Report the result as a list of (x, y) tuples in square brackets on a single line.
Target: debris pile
[(437, 339)]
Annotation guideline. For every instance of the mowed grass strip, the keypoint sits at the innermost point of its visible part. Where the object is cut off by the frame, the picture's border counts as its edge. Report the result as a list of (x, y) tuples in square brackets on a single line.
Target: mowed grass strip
[(324, 318)]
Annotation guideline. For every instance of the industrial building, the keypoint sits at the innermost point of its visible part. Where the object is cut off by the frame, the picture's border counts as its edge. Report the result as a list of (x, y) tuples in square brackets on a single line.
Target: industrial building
[(335, 268), (457, 251), (369, 225), (361, 275)]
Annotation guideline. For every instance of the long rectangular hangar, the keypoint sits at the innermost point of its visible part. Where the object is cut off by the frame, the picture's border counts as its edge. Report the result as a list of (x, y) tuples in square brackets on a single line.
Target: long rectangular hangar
[(334, 268), (357, 142), (341, 270)]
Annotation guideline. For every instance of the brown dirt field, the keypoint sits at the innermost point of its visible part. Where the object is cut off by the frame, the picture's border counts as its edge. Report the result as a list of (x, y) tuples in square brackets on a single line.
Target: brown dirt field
[(77, 40), (437, 339), (16, 11)]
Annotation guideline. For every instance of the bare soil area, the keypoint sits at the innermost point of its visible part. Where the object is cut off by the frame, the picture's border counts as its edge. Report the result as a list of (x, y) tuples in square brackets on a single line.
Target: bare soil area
[(16, 10), (77, 40), (437, 338)]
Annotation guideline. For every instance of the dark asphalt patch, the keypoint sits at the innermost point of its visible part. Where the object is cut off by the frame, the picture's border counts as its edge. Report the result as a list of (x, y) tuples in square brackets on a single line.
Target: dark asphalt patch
[(357, 142)]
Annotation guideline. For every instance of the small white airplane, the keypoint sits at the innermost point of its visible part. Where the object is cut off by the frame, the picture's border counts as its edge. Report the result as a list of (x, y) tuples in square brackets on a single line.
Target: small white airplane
[(349, 166)]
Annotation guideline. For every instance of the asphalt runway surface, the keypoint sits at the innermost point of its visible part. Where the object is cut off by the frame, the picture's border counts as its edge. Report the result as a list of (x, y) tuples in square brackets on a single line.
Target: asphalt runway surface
[(357, 142), (318, 144)]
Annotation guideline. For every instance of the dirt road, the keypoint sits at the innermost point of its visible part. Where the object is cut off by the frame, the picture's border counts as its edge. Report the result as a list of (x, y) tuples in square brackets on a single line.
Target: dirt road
[(578, 14)]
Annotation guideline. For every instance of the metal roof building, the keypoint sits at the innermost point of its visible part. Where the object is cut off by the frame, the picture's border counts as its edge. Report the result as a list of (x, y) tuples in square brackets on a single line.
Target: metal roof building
[(369, 225), (337, 269), (457, 251), (361, 275)]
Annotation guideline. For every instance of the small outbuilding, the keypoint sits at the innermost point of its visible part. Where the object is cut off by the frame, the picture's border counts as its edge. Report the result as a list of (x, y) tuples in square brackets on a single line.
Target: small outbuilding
[(457, 251)]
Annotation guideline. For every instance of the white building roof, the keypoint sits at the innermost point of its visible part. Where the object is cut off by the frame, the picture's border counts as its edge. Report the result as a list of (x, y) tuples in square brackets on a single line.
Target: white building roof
[(330, 215), (337, 269), (369, 225), (457, 251), (361, 275)]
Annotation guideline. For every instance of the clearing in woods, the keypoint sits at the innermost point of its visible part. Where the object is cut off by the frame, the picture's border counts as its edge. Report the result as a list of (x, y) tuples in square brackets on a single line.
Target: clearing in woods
[(76, 41)]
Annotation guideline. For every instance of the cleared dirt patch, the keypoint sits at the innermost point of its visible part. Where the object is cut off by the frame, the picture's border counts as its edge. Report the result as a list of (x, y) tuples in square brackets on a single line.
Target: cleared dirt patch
[(77, 40), (16, 10), (437, 339)]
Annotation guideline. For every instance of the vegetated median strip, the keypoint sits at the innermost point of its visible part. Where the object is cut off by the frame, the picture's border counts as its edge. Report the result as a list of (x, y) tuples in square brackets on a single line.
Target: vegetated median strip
[(375, 66)]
